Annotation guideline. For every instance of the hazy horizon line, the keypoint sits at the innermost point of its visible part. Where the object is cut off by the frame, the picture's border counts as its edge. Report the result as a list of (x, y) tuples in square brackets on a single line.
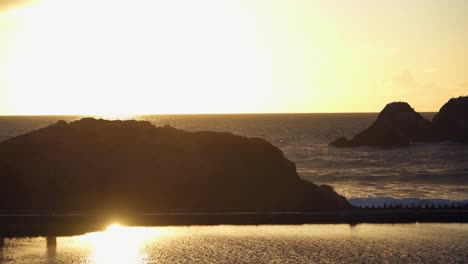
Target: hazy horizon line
[(153, 114)]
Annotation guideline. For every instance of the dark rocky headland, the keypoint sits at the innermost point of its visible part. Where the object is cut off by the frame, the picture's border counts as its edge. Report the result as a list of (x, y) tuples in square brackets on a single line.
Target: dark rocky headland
[(99, 166), (399, 125)]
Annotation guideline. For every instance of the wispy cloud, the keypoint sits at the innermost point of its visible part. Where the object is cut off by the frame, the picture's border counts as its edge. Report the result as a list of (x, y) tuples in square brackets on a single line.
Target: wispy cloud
[(464, 87), (423, 95), (406, 80), (375, 49), (431, 70)]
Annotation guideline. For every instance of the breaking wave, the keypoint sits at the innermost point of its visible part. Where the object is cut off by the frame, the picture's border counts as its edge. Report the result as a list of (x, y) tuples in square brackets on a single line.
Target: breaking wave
[(380, 201)]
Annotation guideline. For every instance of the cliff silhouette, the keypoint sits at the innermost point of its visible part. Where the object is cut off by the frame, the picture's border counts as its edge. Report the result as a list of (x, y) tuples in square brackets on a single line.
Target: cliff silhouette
[(133, 166), (399, 125)]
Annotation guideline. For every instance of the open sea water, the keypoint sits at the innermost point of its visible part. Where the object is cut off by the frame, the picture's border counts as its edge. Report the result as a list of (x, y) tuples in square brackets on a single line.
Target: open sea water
[(421, 173)]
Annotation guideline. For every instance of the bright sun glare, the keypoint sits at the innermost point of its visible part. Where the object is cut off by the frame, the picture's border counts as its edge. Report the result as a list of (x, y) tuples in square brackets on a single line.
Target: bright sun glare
[(119, 244), (132, 57)]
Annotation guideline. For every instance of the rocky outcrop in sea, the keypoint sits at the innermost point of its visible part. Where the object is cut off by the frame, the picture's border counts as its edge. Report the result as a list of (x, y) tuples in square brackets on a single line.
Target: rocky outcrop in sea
[(451, 122), (399, 125)]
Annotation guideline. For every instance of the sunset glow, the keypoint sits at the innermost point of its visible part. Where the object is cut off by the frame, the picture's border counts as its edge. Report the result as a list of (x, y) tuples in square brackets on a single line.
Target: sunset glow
[(118, 244), (116, 58)]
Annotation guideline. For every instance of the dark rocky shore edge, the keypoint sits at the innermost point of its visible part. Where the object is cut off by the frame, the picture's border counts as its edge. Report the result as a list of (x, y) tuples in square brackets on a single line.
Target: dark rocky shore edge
[(77, 224)]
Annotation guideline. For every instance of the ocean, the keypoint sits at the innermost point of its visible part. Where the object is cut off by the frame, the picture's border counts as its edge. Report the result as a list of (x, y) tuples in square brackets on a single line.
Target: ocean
[(421, 173)]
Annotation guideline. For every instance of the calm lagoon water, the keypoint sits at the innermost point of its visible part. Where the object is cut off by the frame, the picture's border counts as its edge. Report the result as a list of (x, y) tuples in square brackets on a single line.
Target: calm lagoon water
[(362, 243)]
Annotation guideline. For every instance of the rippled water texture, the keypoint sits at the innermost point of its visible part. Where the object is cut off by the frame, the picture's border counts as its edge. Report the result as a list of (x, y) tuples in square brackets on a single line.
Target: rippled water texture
[(363, 243), (422, 170)]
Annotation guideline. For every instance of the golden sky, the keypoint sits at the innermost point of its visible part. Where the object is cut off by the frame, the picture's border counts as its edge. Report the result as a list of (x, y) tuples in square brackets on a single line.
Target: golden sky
[(122, 57)]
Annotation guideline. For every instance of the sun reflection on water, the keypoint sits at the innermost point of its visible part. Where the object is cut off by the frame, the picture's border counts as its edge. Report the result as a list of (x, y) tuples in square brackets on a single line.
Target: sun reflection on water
[(362, 243), (119, 244)]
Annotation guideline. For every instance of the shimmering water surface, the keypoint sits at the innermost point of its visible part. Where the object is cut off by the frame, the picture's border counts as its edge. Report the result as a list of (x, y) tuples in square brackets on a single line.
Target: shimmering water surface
[(363, 243), (420, 171)]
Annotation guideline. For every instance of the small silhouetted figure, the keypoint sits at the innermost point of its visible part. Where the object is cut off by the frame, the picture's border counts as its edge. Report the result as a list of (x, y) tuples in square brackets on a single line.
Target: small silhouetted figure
[(2, 245), (51, 242)]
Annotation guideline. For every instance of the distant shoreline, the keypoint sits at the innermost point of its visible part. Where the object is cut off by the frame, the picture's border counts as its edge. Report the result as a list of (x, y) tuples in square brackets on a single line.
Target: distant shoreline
[(76, 224)]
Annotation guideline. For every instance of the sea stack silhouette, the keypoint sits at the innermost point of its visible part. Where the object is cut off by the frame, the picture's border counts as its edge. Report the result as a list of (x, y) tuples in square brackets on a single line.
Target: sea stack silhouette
[(451, 122), (102, 166), (398, 125)]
